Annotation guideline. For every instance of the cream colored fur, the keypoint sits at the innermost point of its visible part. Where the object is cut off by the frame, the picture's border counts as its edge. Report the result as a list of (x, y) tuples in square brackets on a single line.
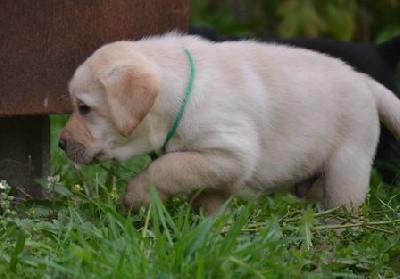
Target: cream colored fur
[(261, 117)]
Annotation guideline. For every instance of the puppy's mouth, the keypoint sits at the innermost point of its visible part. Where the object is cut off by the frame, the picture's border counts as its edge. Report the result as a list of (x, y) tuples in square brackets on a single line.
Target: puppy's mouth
[(78, 153), (99, 158)]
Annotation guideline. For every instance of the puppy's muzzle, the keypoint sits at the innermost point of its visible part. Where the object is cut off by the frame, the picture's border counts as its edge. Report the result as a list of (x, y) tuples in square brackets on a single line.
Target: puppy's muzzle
[(74, 150)]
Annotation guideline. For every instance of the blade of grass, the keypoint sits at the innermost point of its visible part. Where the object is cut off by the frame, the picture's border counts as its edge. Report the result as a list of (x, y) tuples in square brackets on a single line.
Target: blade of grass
[(19, 247)]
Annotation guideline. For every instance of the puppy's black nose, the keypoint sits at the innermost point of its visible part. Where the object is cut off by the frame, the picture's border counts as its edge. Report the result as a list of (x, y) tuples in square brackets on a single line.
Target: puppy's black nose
[(62, 144)]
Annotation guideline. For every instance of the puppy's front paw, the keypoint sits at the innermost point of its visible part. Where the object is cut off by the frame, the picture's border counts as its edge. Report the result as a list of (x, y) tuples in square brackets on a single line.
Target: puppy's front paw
[(137, 193)]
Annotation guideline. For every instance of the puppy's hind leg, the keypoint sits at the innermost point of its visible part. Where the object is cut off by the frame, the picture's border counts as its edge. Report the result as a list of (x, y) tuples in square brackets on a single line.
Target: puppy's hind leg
[(210, 201), (347, 177)]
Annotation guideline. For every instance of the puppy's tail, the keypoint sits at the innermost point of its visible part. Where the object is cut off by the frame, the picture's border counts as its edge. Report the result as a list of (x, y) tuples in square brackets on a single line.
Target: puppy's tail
[(388, 107)]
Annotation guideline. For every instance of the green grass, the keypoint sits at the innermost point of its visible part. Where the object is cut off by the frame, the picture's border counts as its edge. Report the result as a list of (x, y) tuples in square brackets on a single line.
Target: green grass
[(83, 231)]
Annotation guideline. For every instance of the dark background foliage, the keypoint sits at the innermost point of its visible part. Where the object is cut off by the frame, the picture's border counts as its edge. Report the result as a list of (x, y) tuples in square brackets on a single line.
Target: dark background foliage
[(357, 20)]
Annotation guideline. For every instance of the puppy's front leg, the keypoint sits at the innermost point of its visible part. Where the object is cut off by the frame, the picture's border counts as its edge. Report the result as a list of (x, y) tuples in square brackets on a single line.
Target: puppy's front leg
[(183, 173)]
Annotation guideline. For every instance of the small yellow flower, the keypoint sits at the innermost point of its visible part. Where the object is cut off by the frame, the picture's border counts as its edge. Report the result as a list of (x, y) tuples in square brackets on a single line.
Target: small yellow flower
[(114, 193), (77, 188)]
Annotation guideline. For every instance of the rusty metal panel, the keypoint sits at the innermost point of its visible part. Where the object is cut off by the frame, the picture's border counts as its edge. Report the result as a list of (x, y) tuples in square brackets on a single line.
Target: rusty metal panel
[(43, 41)]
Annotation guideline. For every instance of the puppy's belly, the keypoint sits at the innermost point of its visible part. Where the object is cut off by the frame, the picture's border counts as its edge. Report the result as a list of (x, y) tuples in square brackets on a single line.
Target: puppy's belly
[(280, 178), (256, 187)]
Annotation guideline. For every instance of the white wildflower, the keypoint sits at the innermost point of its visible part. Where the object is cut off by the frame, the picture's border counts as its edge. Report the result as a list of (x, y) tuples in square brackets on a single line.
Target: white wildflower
[(3, 185), (52, 181)]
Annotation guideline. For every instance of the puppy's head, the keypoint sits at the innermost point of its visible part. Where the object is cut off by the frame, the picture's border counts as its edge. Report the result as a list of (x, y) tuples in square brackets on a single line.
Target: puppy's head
[(111, 93)]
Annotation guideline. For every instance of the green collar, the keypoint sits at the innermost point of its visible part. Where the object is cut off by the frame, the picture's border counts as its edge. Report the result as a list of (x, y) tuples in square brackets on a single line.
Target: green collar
[(155, 154)]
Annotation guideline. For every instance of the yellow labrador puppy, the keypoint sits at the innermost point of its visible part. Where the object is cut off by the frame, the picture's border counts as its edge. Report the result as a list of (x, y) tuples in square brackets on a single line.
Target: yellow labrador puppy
[(260, 118)]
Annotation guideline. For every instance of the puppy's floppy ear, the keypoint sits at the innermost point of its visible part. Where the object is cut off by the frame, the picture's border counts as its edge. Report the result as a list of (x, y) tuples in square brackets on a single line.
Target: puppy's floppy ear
[(130, 96)]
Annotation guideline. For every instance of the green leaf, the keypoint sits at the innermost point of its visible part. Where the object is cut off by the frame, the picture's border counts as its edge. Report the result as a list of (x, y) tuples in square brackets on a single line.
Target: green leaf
[(19, 247), (306, 225), (62, 190)]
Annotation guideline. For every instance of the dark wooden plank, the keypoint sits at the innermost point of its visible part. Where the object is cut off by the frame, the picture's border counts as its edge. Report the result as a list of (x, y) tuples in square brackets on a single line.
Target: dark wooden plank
[(43, 41)]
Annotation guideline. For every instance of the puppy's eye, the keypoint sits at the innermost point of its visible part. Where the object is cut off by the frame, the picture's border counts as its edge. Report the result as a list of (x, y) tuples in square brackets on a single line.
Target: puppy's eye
[(83, 109)]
